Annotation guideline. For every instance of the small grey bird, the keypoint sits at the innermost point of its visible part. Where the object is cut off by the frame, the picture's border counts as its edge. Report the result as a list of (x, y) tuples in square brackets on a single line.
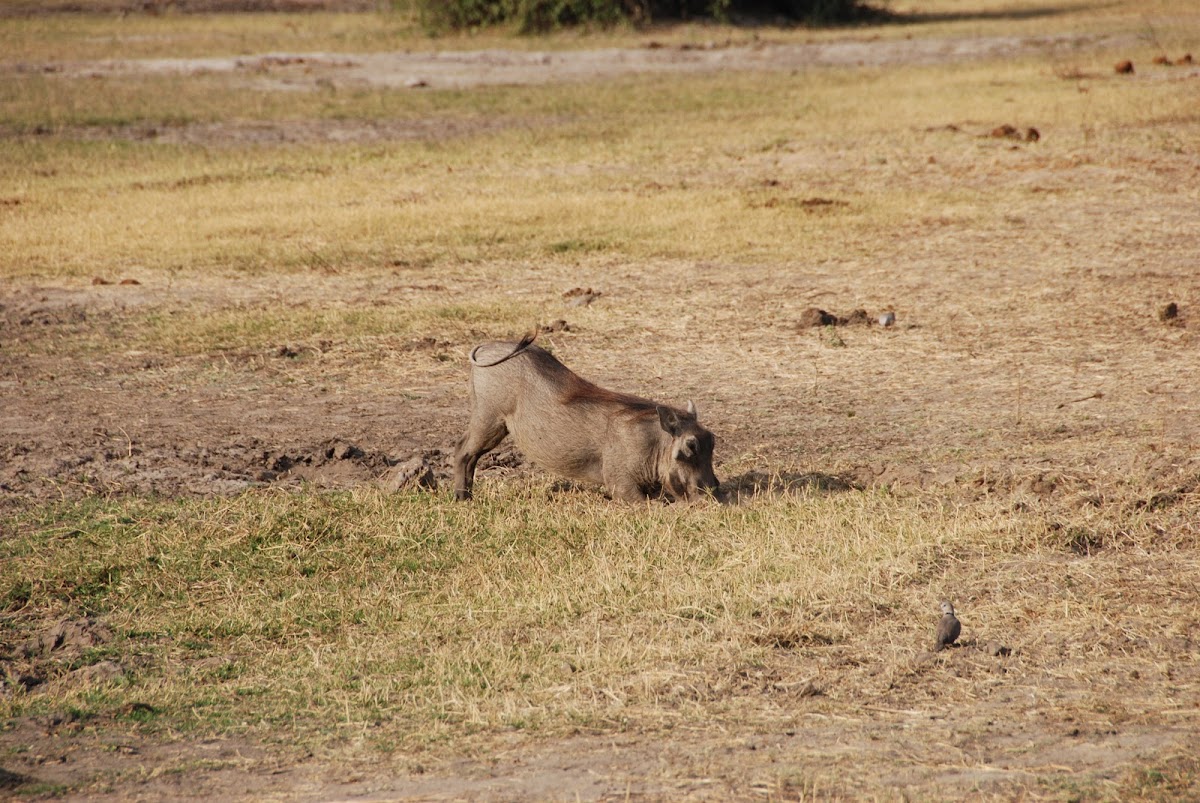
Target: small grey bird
[(948, 628)]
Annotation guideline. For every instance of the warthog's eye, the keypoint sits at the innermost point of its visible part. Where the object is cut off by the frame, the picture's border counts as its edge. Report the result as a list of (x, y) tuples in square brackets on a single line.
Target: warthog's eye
[(687, 449)]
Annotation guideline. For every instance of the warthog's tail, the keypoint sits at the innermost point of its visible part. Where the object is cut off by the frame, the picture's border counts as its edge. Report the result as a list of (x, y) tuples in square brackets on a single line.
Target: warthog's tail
[(525, 343)]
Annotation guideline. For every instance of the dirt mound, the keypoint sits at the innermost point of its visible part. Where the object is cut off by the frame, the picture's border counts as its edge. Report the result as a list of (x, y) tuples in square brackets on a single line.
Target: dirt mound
[(67, 637), (54, 654)]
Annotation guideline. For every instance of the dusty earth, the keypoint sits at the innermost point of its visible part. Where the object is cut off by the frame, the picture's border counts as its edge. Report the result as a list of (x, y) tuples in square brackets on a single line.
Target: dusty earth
[(136, 422), (456, 70)]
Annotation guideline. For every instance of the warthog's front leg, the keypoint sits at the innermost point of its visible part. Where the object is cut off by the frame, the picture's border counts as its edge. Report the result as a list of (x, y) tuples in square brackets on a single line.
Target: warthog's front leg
[(480, 439), (624, 489)]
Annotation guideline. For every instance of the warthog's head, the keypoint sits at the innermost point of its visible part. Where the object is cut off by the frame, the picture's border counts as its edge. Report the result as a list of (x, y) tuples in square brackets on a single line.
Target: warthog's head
[(688, 473)]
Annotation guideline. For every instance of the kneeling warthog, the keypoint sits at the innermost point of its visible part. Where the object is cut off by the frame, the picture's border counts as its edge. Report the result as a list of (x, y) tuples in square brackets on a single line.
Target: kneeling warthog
[(635, 448)]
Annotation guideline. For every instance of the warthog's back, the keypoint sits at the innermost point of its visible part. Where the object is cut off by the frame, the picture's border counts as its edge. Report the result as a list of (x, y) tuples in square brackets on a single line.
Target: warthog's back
[(522, 370)]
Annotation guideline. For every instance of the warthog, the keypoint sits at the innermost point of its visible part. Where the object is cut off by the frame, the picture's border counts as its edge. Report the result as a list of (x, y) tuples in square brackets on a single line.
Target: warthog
[(635, 448)]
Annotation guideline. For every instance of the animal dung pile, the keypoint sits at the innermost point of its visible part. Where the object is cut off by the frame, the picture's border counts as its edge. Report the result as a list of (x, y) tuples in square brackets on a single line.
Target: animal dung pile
[(581, 296), (100, 280), (1164, 61), (1007, 131), (814, 316)]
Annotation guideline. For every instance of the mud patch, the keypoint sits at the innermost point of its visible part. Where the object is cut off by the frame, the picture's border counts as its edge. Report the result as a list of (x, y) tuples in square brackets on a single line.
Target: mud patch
[(117, 467)]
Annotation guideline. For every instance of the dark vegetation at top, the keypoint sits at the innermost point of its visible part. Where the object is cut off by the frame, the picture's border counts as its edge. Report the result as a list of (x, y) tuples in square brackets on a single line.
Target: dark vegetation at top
[(532, 16), (527, 16)]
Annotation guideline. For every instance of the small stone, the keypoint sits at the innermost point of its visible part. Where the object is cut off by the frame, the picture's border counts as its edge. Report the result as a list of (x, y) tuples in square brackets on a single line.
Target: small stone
[(887, 319)]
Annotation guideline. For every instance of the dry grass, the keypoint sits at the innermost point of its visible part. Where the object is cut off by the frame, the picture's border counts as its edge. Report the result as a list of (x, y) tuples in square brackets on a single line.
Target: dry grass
[(410, 619), (411, 624), (766, 147), (1023, 441)]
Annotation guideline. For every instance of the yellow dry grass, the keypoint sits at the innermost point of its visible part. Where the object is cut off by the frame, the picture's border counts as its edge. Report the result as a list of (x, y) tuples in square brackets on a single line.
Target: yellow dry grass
[(729, 159)]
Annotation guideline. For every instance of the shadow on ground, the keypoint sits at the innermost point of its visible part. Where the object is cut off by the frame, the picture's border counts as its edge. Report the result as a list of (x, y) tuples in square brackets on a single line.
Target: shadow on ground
[(992, 15), (756, 483)]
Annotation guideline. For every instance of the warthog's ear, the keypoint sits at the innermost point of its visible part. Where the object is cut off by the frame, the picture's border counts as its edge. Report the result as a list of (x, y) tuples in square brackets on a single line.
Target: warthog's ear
[(670, 421), (692, 410)]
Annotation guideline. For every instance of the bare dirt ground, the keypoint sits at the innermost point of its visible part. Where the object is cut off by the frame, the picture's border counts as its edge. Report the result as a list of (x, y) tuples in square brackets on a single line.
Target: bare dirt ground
[(457, 70), (1097, 401)]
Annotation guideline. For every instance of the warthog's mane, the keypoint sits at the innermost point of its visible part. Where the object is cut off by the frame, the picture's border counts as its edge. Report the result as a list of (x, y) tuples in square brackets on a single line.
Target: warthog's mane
[(574, 389), (581, 391)]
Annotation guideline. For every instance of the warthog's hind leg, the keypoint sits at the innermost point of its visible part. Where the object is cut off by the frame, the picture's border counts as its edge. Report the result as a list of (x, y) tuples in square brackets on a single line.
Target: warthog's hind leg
[(479, 440)]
